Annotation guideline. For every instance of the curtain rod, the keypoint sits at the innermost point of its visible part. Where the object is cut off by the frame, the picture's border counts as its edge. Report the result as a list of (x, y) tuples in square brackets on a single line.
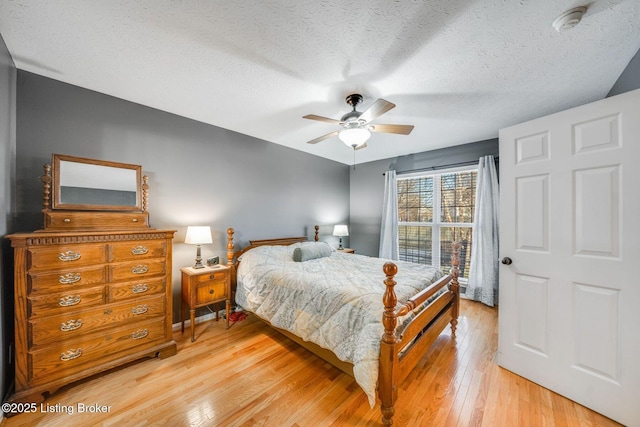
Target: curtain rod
[(451, 165)]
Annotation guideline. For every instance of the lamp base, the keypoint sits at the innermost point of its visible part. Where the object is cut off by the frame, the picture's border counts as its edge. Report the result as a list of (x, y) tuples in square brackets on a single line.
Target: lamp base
[(198, 263), (340, 247)]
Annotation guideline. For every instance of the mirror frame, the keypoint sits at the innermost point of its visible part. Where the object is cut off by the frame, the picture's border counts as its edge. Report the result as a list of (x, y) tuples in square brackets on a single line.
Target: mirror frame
[(58, 204)]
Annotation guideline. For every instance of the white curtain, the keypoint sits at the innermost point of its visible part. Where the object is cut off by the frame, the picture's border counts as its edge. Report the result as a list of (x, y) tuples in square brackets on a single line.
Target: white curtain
[(389, 247), (483, 274)]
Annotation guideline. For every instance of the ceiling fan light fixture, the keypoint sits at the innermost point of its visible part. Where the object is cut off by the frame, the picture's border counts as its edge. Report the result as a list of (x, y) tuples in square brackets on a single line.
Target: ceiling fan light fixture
[(354, 137)]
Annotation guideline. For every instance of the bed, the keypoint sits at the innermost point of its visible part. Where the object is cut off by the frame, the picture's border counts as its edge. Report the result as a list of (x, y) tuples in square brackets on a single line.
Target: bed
[(372, 318)]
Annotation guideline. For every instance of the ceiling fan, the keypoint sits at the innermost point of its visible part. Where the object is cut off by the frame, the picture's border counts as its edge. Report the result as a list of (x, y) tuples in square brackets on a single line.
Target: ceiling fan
[(356, 125)]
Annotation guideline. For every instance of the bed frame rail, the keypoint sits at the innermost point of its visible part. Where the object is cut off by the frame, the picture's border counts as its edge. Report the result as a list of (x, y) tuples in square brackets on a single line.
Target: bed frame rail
[(397, 357)]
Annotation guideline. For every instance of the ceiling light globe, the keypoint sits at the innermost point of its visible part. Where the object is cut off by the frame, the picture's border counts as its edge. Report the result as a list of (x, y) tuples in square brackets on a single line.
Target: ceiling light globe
[(354, 137)]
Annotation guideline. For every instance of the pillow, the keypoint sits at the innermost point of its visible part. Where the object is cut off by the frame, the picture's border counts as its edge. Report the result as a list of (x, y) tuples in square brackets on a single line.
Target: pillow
[(311, 250)]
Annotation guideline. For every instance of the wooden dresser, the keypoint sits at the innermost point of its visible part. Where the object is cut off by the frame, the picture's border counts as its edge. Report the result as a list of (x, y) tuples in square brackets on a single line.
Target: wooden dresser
[(89, 300)]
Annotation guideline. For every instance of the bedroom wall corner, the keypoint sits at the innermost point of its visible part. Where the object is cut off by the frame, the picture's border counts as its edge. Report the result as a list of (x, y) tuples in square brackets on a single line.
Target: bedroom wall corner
[(7, 201), (629, 79)]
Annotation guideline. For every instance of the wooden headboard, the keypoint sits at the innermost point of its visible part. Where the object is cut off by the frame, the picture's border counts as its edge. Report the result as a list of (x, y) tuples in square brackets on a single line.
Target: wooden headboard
[(232, 255)]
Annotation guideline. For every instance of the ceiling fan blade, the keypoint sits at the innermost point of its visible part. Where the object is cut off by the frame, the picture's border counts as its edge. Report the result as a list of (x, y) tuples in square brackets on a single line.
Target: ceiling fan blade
[(399, 129), (376, 110), (321, 119), (360, 147), (323, 137)]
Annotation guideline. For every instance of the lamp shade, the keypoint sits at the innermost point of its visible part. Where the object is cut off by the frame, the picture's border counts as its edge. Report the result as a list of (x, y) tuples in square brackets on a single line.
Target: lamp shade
[(198, 235), (340, 230), (354, 137)]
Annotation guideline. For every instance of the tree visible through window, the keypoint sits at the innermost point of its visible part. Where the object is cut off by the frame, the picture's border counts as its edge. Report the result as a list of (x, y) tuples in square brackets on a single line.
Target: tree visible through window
[(433, 211)]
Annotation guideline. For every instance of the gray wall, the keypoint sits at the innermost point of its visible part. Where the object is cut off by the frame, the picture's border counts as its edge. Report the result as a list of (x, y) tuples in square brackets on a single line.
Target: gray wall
[(199, 174), (7, 185), (367, 186), (629, 79)]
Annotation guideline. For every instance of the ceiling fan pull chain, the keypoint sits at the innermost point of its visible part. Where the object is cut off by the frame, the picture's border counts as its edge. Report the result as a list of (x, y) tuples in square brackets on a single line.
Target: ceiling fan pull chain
[(354, 157)]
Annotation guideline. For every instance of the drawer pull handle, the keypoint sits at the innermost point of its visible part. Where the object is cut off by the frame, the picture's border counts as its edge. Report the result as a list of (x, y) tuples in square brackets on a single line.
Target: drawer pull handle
[(69, 278), (71, 325), (69, 256), (211, 291), (139, 250), (66, 220), (140, 309), (140, 333), (71, 354), (139, 288), (140, 269), (213, 276), (135, 220), (69, 300)]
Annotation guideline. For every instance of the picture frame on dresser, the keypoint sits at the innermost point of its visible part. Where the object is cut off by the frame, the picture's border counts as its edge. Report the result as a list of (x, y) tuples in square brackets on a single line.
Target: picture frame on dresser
[(92, 289)]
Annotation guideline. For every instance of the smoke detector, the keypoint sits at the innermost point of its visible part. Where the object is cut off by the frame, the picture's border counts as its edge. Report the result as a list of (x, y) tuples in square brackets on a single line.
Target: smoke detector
[(569, 19)]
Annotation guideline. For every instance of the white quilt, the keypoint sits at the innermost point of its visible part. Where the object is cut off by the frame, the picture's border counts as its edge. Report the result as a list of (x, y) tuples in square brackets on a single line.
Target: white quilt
[(335, 301)]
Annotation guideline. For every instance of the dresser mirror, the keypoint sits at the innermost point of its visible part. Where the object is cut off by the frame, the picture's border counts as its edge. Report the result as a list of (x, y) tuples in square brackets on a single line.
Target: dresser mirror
[(95, 185)]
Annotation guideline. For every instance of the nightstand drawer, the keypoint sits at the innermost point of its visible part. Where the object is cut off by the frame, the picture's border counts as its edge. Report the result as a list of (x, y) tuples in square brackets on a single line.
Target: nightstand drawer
[(212, 276), (210, 292)]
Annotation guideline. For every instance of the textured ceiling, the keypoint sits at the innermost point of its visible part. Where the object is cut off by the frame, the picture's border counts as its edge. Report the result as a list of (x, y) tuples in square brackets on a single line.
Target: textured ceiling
[(458, 70)]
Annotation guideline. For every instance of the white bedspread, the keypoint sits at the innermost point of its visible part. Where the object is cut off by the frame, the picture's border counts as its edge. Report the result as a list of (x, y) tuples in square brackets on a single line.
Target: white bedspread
[(335, 302)]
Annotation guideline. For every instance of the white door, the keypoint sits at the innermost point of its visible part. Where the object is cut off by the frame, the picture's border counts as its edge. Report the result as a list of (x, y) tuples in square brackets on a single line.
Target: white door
[(569, 304)]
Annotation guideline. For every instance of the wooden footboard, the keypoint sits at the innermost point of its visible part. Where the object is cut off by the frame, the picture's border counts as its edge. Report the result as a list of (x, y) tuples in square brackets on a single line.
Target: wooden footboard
[(400, 351)]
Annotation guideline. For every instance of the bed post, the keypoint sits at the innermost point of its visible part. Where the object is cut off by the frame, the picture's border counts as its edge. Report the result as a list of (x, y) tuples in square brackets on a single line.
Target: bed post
[(316, 238), (230, 246), (454, 286), (387, 388), (230, 260)]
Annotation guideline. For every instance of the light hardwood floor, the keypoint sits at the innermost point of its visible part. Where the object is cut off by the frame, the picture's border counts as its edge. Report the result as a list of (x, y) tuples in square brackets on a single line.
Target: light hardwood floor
[(251, 375)]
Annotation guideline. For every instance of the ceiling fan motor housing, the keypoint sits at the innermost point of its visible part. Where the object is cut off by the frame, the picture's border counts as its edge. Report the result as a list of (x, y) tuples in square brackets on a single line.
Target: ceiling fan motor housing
[(354, 99), (351, 118)]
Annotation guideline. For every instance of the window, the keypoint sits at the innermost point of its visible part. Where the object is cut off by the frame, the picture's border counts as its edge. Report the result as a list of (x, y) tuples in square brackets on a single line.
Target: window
[(433, 211)]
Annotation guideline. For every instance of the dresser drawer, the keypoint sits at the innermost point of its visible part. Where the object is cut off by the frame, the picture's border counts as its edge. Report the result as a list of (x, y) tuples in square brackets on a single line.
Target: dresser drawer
[(64, 302), (65, 256), (66, 279), (74, 221), (135, 269), (73, 355), (79, 323), (211, 291), (128, 290), (125, 251)]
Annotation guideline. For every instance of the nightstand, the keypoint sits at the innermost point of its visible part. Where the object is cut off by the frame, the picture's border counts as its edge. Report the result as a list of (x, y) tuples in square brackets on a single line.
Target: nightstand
[(347, 250), (202, 287)]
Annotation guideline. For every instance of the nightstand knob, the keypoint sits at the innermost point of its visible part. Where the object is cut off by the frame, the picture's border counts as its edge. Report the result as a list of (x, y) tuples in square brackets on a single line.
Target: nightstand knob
[(212, 276), (211, 291)]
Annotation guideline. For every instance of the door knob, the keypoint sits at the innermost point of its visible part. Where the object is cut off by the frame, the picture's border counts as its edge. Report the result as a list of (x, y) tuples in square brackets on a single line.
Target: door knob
[(506, 260)]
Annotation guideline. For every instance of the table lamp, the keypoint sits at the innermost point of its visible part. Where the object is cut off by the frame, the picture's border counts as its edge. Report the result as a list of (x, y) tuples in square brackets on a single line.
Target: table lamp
[(340, 230), (198, 235)]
